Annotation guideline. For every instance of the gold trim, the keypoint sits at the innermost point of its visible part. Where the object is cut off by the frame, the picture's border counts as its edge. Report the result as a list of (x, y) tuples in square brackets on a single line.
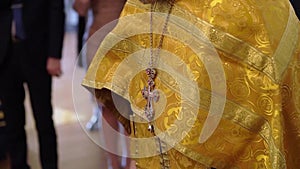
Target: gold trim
[(287, 45), (273, 67), (208, 162), (229, 44), (234, 113), (240, 116), (225, 42)]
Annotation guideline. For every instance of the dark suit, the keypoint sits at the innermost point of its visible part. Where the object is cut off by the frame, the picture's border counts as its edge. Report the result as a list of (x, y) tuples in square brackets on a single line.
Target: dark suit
[(5, 25), (44, 29), (5, 29)]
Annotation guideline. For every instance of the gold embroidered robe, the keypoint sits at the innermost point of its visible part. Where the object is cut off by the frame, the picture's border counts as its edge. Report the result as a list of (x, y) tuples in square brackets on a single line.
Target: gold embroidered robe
[(257, 42)]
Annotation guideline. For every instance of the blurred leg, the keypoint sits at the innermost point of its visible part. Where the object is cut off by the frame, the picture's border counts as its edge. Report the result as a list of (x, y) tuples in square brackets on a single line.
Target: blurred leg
[(80, 33), (13, 95), (40, 96), (93, 123), (111, 140), (15, 119)]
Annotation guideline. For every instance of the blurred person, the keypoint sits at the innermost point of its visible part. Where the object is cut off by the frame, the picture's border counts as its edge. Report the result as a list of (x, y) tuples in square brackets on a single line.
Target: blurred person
[(82, 7), (258, 45), (5, 24), (103, 12), (5, 21), (80, 36), (37, 34)]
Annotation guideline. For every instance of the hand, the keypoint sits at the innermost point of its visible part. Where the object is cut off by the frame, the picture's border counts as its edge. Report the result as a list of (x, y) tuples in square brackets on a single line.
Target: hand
[(81, 7), (54, 67)]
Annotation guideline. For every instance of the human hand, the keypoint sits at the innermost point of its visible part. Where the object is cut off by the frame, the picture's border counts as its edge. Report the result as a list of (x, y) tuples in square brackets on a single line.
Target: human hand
[(54, 67), (81, 7)]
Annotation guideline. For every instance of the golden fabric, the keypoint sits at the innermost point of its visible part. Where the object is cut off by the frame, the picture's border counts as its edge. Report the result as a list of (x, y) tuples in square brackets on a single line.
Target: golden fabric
[(258, 45)]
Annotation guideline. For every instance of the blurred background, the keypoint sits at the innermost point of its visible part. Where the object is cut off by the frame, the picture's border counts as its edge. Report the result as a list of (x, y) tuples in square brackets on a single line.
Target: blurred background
[(76, 150)]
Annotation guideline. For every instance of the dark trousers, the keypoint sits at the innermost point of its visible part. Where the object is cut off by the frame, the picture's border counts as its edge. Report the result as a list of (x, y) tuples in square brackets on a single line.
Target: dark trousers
[(80, 32), (17, 72), (80, 38)]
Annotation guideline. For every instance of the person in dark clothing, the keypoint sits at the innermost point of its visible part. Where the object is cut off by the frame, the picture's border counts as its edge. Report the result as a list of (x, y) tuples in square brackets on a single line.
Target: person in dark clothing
[(5, 25), (38, 30)]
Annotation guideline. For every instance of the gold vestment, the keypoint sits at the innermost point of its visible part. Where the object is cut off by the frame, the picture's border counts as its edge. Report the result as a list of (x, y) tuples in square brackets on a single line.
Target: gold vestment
[(257, 42)]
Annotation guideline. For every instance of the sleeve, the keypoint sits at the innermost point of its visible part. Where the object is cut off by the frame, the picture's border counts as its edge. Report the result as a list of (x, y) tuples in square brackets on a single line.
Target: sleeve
[(56, 28)]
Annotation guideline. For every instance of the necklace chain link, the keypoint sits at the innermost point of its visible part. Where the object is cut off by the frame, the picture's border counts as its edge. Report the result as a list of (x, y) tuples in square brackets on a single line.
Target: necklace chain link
[(150, 93), (154, 57)]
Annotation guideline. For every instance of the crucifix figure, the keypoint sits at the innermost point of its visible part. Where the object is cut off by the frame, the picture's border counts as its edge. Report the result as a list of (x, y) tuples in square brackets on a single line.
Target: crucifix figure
[(150, 94)]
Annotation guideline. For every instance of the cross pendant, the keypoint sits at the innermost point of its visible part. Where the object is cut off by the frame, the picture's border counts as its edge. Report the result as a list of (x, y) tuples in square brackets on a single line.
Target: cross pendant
[(150, 94)]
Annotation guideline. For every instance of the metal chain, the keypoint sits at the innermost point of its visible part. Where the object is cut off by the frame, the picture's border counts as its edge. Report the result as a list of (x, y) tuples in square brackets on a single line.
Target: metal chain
[(164, 160), (149, 92), (153, 58)]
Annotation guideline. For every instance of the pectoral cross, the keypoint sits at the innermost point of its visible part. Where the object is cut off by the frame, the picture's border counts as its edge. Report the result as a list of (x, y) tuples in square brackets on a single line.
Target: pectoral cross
[(150, 94)]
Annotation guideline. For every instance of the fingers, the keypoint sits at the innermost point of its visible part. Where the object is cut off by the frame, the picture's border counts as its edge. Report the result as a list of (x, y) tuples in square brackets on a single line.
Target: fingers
[(54, 71), (54, 67), (58, 74)]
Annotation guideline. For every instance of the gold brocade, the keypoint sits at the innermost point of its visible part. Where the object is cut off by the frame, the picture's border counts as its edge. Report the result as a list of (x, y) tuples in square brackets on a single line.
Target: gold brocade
[(260, 125)]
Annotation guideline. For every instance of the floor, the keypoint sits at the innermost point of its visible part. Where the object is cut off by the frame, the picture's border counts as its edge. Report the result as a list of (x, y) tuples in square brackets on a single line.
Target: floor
[(72, 109)]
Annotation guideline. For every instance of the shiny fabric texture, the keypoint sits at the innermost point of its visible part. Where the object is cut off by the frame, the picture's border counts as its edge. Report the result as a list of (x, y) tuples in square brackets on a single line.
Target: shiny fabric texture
[(258, 45)]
